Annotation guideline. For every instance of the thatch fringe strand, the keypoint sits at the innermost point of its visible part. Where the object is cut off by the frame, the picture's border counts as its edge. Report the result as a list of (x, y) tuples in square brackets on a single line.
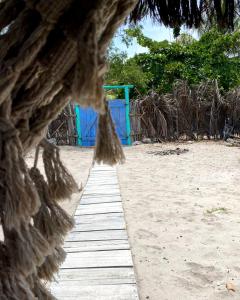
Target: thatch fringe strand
[(108, 147)]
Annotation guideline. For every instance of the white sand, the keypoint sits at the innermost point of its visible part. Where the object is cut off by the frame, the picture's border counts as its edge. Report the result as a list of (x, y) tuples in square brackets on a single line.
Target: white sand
[(182, 248)]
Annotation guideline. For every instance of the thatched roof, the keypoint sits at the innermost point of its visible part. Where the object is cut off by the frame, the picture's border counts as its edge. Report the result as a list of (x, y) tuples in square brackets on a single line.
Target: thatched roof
[(189, 12)]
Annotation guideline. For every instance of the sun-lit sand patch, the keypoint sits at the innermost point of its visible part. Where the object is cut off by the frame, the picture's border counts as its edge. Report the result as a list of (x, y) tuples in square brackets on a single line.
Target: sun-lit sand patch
[(183, 220)]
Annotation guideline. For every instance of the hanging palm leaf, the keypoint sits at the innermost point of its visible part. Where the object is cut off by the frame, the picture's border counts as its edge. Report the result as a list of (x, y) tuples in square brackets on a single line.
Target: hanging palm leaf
[(174, 13)]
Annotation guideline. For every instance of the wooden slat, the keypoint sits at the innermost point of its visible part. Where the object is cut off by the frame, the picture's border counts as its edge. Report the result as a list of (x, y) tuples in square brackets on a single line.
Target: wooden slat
[(104, 182), (93, 180), (100, 205), (112, 181), (101, 226), (95, 245), (113, 186), (100, 196), (99, 292), (97, 276), (98, 259), (103, 175), (98, 217), (101, 187), (99, 208), (113, 190), (101, 217), (97, 235), (99, 222), (95, 200)]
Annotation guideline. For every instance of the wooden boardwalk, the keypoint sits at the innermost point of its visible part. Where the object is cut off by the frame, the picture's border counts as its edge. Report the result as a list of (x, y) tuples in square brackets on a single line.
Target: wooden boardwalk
[(99, 263)]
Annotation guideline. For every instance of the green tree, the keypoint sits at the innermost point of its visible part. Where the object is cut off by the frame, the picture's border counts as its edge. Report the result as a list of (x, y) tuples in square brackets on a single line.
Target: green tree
[(125, 71), (214, 56)]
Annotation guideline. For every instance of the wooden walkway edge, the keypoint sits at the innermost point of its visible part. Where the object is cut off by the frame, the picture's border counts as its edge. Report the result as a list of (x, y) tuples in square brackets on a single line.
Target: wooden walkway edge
[(99, 263)]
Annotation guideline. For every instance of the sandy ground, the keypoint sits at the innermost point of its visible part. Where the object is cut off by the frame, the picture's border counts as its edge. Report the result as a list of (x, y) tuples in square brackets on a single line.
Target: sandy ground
[(78, 161), (182, 214), (183, 220)]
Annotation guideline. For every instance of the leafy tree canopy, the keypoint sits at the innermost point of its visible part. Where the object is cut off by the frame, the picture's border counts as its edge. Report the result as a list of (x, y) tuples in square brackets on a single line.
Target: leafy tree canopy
[(214, 56), (126, 71)]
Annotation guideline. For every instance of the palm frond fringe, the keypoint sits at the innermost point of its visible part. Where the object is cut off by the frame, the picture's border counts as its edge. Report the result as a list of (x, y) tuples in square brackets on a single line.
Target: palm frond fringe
[(192, 112), (175, 13)]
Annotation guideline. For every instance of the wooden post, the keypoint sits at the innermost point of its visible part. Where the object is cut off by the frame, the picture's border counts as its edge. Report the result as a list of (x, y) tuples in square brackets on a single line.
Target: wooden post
[(78, 125), (128, 125)]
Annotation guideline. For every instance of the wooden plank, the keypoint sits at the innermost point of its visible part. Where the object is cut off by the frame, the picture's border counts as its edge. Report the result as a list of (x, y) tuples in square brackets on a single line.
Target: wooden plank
[(99, 208), (102, 192), (101, 225), (103, 186), (100, 205), (100, 196), (105, 181), (97, 211), (113, 225), (98, 292), (99, 222), (95, 200), (99, 186), (97, 235), (99, 217), (109, 189), (96, 245), (100, 175), (97, 183), (92, 188), (93, 180), (103, 170), (98, 259), (96, 276), (107, 178)]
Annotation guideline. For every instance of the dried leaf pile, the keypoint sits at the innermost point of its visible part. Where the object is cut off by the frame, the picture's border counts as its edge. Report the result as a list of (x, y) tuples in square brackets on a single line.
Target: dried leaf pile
[(176, 151)]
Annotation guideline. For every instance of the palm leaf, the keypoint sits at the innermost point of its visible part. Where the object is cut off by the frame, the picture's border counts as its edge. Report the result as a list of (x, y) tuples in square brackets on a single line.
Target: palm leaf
[(190, 12)]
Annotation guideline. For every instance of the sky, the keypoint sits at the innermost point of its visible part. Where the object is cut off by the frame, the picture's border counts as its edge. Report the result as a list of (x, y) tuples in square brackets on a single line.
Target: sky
[(153, 31)]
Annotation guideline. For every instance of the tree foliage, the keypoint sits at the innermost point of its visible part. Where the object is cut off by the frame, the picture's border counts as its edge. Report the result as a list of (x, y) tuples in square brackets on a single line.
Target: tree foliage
[(214, 56), (126, 71)]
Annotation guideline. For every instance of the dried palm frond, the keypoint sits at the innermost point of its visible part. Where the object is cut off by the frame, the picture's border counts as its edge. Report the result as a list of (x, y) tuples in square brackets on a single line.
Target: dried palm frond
[(193, 112), (190, 12)]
